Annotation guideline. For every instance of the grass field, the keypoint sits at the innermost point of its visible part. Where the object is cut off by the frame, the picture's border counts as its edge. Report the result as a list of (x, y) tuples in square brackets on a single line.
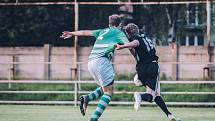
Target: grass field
[(113, 113)]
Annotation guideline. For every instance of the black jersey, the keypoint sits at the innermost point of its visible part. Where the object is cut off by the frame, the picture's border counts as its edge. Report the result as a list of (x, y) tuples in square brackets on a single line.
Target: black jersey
[(145, 52)]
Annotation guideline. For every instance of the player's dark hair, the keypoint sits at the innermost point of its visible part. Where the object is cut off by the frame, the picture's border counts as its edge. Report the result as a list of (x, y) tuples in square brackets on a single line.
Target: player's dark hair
[(114, 20)]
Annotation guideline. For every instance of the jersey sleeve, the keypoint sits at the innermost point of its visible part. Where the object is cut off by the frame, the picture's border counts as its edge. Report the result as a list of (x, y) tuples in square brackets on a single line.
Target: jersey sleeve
[(96, 32), (122, 38), (138, 39)]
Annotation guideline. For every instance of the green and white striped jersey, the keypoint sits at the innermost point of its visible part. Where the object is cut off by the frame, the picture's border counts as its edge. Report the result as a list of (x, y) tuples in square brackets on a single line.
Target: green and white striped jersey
[(105, 41)]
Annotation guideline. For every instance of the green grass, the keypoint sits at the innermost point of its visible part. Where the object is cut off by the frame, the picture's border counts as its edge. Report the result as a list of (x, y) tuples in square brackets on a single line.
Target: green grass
[(113, 113)]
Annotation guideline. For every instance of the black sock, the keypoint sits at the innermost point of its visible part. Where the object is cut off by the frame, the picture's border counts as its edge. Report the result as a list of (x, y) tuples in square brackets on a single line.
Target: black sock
[(146, 97), (159, 101)]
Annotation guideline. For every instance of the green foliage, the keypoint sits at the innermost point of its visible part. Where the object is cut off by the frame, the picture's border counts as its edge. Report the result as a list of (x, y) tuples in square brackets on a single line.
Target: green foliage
[(34, 25), (116, 97), (38, 25), (124, 77), (37, 87), (164, 77), (189, 88)]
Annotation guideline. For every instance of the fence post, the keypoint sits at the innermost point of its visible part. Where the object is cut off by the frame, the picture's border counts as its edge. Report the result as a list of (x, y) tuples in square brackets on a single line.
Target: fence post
[(74, 66), (47, 58), (206, 73), (14, 67), (175, 54), (76, 94), (9, 76), (12, 70), (79, 76)]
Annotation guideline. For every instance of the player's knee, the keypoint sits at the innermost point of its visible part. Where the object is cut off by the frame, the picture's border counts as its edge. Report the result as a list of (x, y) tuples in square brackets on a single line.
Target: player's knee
[(157, 94), (108, 90), (154, 95), (149, 98)]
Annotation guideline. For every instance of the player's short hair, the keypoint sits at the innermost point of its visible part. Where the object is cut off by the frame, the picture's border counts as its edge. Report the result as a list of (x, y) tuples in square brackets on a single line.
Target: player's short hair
[(132, 28), (114, 20)]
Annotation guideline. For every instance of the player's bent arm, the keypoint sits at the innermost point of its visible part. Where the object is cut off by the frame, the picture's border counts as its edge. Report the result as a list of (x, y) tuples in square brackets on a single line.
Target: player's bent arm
[(132, 44)]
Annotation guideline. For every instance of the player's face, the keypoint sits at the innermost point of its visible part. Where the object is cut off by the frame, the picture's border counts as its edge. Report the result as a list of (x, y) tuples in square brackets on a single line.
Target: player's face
[(128, 35)]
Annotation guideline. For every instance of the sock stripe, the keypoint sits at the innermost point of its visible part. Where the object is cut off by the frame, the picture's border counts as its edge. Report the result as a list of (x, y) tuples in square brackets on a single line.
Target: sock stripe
[(100, 92), (95, 94), (106, 98), (99, 110), (90, 97), (94, 116), (103, 103), (97, 114), (101, 106)]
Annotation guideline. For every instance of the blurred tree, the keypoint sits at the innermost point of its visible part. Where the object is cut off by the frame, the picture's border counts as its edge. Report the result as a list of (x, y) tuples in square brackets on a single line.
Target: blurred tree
[(34, 25), (160, 21), (37, 25)]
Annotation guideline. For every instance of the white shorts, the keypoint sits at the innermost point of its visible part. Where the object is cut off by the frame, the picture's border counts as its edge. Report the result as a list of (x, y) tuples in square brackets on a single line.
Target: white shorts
[(102, 71)]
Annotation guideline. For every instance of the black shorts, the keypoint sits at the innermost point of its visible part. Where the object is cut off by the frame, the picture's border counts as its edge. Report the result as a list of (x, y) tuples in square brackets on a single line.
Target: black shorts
[(148, 74)]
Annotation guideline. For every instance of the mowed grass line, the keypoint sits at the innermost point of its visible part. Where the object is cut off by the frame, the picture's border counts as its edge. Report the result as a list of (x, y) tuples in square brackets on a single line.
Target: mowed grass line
[(113, 113)]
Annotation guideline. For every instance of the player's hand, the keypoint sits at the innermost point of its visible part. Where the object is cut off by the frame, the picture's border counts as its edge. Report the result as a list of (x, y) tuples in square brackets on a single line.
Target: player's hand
[(66, 34), (118, 47)]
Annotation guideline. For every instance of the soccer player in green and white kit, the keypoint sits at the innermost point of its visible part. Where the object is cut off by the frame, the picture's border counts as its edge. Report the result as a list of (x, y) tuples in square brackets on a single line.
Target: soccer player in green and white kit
[(99, 64)]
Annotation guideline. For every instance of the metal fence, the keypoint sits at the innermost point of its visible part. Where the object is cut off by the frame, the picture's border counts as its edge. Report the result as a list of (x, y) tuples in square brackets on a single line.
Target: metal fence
[(78, 82), (76, 92)]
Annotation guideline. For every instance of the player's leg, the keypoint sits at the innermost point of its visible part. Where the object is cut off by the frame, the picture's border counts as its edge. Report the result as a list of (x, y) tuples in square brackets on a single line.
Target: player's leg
[(85, 99), (161, 103), (94, 95), (153, 88), (155, 91), (142, 77), (105, 74), (103, 102), (138, 97), (158, 99)]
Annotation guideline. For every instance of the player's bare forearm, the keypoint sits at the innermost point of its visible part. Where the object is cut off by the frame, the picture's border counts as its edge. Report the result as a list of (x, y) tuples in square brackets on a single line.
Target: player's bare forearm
[(132, 44), (82, 33), (67, 34)]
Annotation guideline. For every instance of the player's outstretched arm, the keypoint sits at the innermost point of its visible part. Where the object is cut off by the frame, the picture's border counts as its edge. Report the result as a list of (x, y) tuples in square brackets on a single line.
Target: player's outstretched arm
[(132, 44), (68, 34)]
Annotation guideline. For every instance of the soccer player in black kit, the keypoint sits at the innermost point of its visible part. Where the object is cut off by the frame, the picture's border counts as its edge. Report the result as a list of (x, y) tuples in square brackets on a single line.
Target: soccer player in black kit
[(147, 68)]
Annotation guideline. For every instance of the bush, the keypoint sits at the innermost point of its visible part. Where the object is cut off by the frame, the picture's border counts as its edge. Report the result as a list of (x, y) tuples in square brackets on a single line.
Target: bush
[(116, 97)]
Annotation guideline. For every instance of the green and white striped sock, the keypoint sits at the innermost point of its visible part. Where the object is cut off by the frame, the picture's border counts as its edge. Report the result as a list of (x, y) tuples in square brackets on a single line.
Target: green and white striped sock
[(103, 103), (95, 94)]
